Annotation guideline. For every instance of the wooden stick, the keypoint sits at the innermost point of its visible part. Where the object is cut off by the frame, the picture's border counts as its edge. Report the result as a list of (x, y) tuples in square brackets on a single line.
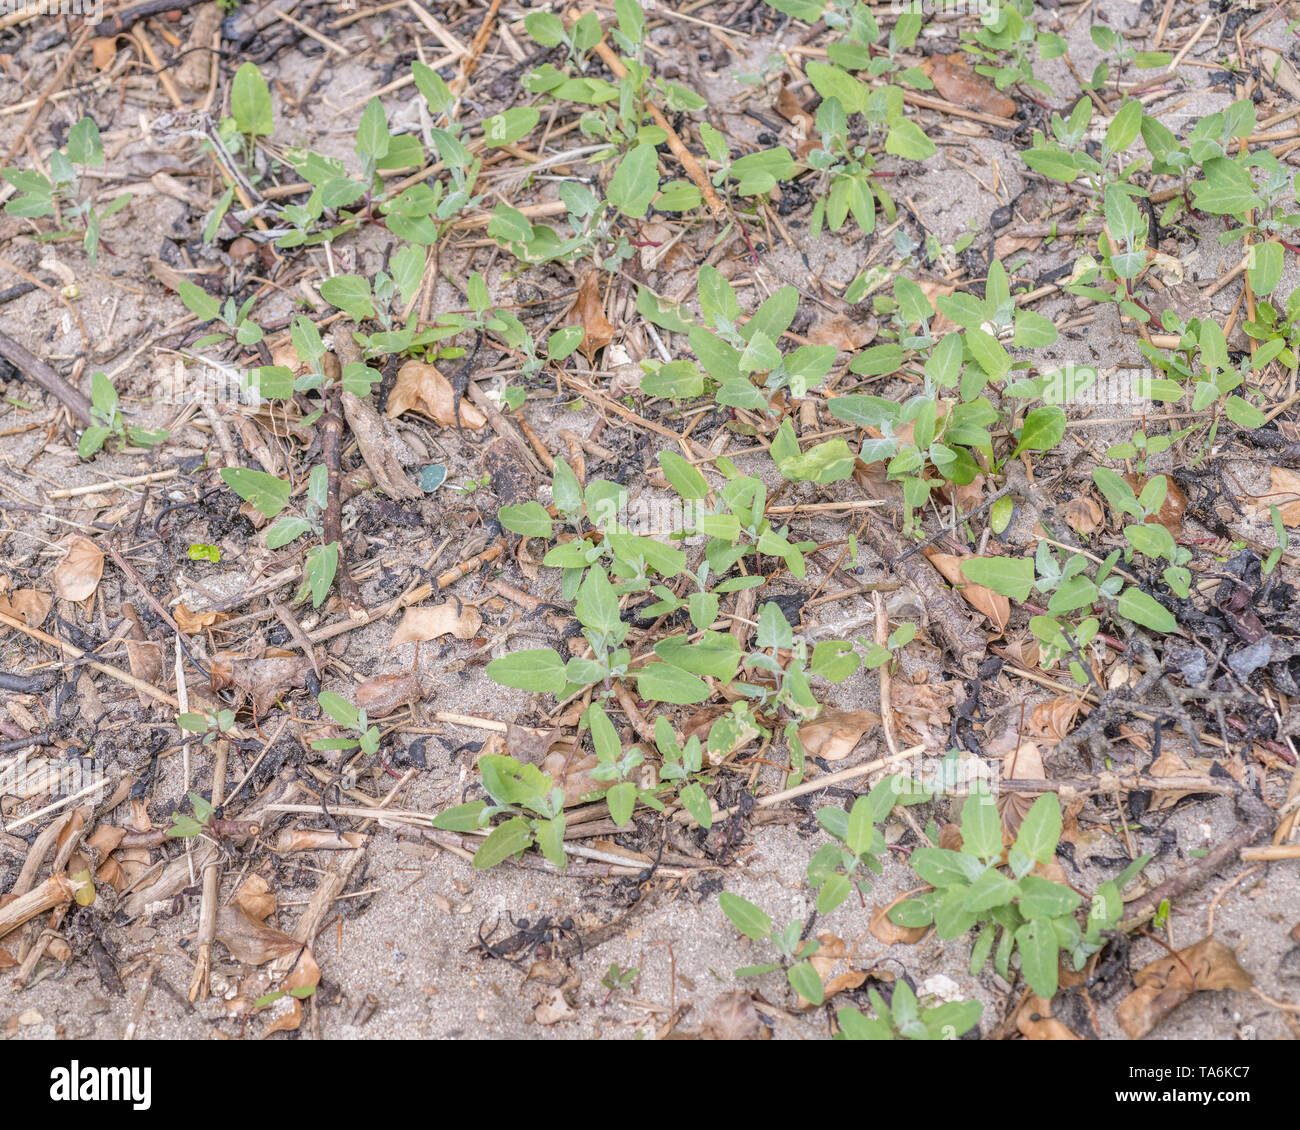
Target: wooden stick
[(36, 370), (211, 887), (55, 891), (684, 156)]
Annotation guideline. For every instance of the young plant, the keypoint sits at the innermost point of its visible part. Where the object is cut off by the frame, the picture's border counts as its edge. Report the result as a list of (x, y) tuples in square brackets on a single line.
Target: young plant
[(61, 196), (835, 870), (756, 925), (530, 801), (1021, 913), (107, 422), (904, 1019), (350, 718)]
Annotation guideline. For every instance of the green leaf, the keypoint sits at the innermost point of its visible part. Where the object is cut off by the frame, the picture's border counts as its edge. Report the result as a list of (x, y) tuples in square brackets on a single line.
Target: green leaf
[(286, 530), (92, 439), (504, 841), (1142, 609), (621, 800), (834, 660), (1011, 577), (745, 916), (508, 127), (1265, 272), (1041, 829), (805, 981), (1036, 941), (981, 826), (684, 477), (263, 492), (716, 654), (1042, 898), (84, 145), (372, 134), (1124, 126), (250, 102), (529, 519), (1033, 331), (662, 682), (597, 603), (338, 708), (696, 803), (536, 669), (350, 293), (907, 139), (833, 892), (322, 564), (198, 301), (635, 181), (991, 889), (1043, 429), (988, 353)]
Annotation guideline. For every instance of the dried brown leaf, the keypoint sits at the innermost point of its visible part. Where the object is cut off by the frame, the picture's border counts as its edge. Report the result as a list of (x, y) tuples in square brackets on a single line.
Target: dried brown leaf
[(834, 734), (382, 694), (1083, 515), (956, 81), (77, 575), (588, 311), (1051, 721), (844, 331), (1171, 510), (261, 680), (732, 1016), (422, 387), (27, 605), (251, 941), (430, 622), (1207, 966), (994, 605)]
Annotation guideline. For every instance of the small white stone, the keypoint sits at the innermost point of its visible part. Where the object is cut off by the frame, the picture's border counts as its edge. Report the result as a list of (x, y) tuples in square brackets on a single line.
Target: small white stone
[(945, 988)]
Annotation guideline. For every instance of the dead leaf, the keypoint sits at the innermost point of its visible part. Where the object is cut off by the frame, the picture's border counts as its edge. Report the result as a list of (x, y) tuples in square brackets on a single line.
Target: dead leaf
[(792, 110), (256, 897), (554, 1009), (262, 680), (1034, 1021), (1163, 985), (588, 311), (1284, 494), (888, 932), (103, 50), (382, 694), (994, 605), (251, 941), (1051, 721), (834, 734), (732, 1016), (145, 659), (77, 575), (428, 623), (845, 332), (191, 622), (922, 712), (27, 605), (956, 81), (1024, 763), (1083, 515), (424, 388)]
